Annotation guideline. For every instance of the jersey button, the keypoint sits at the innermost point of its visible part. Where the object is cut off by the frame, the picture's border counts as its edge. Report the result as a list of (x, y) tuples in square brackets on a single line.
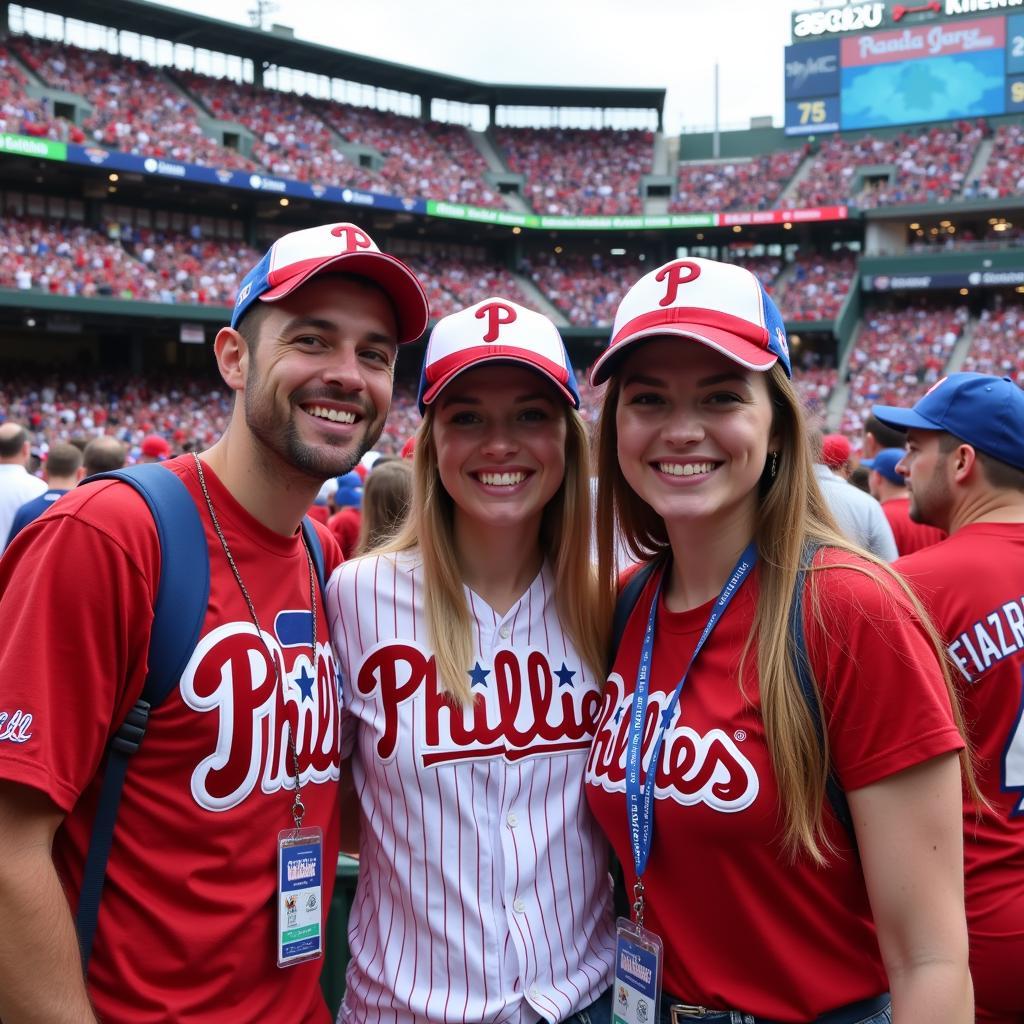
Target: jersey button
[(512, 819), (519, 906), (504, 632)]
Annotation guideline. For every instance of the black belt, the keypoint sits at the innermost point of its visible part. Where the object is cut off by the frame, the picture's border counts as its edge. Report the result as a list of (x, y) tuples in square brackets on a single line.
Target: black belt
[(682, 1013)]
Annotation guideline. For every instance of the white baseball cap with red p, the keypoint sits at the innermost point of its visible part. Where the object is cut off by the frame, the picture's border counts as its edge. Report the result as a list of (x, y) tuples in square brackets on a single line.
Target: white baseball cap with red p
[(495, 330), (296, 257), (721, 305)]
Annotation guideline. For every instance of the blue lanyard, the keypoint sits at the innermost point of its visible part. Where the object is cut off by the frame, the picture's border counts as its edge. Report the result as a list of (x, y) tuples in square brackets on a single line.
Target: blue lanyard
[(640, 799)]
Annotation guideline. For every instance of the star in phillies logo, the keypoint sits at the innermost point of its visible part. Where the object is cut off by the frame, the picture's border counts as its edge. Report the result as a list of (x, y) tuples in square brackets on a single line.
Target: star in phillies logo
[(675, 274), (498, 314), (231, 675), (694, 768), (352, 238), (518, 709)]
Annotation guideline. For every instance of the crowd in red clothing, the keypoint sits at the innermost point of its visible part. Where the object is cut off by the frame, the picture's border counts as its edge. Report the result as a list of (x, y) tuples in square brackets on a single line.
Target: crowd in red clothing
[(579, 172), (815, 287), (931, 165), (135, 108), (453, 282), (289, 139), (586, 288), (1003, 174), (752, 184), (427, 159), (898, 356), (814, 385), (996, 344), (67, 258)]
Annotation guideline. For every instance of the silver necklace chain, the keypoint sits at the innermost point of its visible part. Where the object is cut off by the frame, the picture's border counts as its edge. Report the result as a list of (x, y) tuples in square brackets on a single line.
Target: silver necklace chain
[(298, 807)]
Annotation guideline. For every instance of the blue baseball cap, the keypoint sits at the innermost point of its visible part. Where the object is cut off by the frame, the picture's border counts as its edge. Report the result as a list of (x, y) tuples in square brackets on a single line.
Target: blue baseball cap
[(299, 256), (721, 305), (885, 464), (984, 411)]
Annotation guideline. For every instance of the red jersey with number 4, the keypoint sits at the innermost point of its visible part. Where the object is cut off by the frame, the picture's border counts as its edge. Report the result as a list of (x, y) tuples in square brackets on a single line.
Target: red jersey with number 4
[(973, 585), (743, 927), (189, 911)]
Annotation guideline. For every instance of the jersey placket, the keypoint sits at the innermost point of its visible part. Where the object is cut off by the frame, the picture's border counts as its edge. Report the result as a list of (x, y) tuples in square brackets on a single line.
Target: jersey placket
[(522, 913)]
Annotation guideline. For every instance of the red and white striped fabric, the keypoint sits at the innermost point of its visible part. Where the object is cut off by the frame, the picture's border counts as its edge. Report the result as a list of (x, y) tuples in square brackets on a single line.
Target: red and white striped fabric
[(483, 892)]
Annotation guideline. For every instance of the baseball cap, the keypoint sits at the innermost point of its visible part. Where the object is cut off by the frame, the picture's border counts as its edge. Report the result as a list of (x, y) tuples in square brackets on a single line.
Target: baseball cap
[(720, 305), (985, 411), (154, 447), (835, 450), (885, 464), (495, 330), (300, 255)]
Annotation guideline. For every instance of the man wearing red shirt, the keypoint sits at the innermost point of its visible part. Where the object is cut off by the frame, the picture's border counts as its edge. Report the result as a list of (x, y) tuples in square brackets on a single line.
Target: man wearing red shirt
[(890, 488), (188, 923), (964, 466)]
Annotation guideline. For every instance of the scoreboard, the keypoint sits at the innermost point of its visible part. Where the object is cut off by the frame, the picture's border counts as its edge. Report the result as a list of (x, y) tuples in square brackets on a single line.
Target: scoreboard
[(906, 74)]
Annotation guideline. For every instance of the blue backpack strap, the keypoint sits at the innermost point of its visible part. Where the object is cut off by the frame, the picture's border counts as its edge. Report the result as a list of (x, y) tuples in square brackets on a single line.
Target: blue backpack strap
[(315, 549), (178, 613), (836, 796), (626, 602)]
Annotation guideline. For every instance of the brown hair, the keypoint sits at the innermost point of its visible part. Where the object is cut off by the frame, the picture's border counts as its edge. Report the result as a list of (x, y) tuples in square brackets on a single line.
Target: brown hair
[(386, 497), (792, 514)]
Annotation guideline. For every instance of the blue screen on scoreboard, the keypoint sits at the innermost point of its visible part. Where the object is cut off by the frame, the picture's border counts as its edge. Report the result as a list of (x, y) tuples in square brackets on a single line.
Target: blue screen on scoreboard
[(925, 89)]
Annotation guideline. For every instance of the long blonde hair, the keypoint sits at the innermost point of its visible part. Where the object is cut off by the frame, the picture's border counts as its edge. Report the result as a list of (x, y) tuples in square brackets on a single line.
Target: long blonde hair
[(792, 514), (564, 536)]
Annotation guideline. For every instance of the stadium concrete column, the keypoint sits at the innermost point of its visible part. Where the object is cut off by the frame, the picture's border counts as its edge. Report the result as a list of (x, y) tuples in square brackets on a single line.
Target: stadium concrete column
[(426, 103), (5, 20), (258, 67)]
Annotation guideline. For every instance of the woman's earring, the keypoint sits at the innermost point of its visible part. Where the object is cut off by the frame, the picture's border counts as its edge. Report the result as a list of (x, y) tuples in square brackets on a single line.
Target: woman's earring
[(775, 464)]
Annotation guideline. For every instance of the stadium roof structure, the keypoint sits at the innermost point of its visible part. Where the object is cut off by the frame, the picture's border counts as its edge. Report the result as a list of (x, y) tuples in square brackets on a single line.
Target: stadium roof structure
[(275, 49)]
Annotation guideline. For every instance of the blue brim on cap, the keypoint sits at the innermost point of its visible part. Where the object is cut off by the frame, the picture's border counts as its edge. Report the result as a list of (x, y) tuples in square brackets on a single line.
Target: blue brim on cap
[(903, 419)]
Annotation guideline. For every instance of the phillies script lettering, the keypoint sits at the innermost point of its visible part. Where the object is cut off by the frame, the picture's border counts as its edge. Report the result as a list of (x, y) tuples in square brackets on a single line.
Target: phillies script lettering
[(231, 675), (518, 713), (694, 769)]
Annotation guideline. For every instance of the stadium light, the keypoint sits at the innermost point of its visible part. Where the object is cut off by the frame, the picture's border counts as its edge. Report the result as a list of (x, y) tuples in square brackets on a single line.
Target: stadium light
[(283, 201), (964, 291), (787, 226), (112, 177), (914, 227)]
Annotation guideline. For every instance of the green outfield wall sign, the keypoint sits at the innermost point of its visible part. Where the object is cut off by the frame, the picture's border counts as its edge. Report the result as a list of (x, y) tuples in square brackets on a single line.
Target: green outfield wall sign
[(508, 218), (25, 145)]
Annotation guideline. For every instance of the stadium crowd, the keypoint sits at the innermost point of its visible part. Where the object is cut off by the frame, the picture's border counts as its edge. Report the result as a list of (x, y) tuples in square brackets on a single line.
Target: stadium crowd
[(899, 354), (815, 286), (930, 165), (996, 343), (752, 184), (134, 107), (579, 172)]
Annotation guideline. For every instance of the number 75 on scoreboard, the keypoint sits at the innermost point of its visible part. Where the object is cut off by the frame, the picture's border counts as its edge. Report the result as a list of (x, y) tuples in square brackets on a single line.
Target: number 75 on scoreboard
[(811, 116)]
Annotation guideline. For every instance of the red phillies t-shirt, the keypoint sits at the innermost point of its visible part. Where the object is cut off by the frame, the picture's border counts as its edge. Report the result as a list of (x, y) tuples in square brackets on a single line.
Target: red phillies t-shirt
[(909, 536), (744, 928), (972, 584), (189, 912)]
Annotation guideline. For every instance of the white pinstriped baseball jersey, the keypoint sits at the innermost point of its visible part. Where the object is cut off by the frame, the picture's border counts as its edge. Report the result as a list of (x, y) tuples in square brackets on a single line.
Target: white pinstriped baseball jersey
[(483, 891)]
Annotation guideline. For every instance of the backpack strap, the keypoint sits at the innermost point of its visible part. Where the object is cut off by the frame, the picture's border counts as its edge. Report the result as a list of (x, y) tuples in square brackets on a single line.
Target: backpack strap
[(178, 613), (626, 602), (630, 595), (801, 662), (315, 549)]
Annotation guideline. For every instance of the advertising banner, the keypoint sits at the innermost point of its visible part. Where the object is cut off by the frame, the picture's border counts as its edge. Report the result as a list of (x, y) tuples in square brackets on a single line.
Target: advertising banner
[(26, 145)]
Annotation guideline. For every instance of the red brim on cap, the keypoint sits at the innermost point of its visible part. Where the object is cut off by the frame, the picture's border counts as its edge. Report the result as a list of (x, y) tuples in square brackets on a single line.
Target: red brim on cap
[(747, 353), (444, 371), (397, 280)]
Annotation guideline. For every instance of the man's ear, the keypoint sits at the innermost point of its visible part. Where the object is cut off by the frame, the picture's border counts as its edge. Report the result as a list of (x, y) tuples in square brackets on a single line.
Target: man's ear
[(232, 352), (965, 461)]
